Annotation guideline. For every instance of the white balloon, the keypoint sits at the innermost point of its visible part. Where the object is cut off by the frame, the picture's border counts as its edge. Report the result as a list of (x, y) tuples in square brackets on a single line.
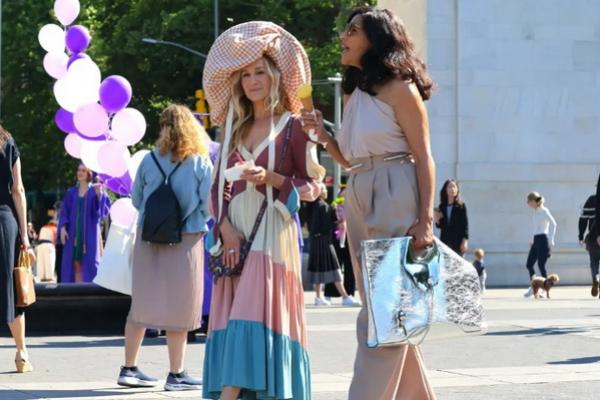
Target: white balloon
[(135, 162), (55, 64), (85, 70), (89, 154), (91, 120), (128, 126), (80, 86), (123, 212), (52, 38), (73, 144), (113, 158), (65, 94), (66, 11)]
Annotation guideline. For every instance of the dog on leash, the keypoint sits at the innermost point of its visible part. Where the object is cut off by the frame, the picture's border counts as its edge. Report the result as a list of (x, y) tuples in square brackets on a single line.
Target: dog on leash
[(539, 282)]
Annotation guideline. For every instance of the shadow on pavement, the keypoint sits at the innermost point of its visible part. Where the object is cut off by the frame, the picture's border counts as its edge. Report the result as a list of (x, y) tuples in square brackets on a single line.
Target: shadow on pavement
[(108, 393), (552, 331), (580, 360), (109, 342)]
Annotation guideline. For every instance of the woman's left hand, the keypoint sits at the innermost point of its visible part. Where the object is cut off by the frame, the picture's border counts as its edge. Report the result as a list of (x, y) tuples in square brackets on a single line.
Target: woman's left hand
[(256, 175), (422, 233), (464, 246)]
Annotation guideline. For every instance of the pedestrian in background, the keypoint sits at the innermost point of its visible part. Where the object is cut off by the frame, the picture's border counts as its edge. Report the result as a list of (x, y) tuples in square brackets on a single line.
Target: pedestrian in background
[(82, 210), (46, 252), (479, 265), (543, 231), (451, 218), (167, 280), (13, 232), (587, 238), (323, 263), (340, 242)]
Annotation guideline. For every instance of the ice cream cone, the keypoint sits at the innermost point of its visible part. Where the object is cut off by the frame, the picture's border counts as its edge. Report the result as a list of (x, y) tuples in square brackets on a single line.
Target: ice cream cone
[(305, 95), (307, 103)]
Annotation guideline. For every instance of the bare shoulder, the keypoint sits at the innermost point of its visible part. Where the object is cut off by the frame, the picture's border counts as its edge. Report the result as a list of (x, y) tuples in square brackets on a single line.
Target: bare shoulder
[(399, 92), (345, 98)]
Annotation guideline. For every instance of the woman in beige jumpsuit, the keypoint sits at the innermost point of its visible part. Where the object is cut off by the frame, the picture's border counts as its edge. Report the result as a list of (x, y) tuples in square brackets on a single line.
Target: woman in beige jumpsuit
[(384, 142)]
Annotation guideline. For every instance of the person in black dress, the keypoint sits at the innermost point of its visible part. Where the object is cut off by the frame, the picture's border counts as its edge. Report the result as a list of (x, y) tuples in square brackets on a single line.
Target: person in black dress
[(323, 263), (587, 223), (13, 231), (451, 218), (340, 242)]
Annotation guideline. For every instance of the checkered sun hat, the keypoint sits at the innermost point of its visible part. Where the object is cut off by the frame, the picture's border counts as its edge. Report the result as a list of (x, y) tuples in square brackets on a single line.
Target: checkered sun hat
[(242, 45)]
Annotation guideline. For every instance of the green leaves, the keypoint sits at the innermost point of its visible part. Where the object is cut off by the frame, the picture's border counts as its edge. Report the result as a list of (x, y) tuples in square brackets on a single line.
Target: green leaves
[(158, 74)]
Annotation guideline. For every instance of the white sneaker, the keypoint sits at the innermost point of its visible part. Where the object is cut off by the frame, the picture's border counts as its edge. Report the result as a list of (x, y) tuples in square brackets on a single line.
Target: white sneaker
[(351, 302), (319, 301), (529, 292)]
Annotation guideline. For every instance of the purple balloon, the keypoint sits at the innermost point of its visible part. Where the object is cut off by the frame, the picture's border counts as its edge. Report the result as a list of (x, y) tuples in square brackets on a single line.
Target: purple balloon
[(75, 57), (78, 38), (91, 138), (121, 186), (115, 93), (213, 150), (64, 121)]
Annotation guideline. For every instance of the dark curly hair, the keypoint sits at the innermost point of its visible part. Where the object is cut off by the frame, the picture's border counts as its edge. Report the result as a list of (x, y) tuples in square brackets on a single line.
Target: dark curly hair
[(392, 54)]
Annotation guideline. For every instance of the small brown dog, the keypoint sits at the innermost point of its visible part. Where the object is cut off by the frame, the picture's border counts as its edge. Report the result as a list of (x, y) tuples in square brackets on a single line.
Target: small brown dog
[(539, 282)]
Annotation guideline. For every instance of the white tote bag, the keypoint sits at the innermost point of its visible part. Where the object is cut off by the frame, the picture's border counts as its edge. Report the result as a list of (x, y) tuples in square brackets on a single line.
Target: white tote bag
[(114, 271)]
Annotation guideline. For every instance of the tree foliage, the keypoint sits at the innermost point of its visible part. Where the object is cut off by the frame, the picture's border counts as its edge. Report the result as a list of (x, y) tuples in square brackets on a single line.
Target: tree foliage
[(158, 74)]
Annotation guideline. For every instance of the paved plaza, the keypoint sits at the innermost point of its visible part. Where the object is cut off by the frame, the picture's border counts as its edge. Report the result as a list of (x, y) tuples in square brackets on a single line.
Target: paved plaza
[(545, 349)]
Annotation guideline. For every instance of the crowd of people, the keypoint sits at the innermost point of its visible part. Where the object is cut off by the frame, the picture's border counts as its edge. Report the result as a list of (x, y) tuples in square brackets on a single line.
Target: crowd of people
[(256, 337)]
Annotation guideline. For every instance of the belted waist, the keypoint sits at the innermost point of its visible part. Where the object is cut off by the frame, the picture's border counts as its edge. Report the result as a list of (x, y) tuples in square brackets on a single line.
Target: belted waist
[(364, 164)]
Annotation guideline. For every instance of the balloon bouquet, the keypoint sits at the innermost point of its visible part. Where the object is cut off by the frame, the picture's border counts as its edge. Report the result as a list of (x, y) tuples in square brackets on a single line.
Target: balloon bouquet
[(93, 112)]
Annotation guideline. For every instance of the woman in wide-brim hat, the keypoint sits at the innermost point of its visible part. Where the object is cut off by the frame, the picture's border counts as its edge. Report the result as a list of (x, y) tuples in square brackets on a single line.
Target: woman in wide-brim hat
[(256, 346)]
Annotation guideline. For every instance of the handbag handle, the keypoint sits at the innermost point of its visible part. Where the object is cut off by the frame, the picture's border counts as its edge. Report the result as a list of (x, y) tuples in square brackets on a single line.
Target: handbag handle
[(423, 270)]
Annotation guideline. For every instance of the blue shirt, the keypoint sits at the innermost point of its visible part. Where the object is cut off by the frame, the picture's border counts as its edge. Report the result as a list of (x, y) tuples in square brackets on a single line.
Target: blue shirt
[(190, 183)]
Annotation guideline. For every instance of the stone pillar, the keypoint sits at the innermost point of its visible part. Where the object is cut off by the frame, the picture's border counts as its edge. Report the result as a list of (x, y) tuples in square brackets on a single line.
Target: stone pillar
[(414, 15)]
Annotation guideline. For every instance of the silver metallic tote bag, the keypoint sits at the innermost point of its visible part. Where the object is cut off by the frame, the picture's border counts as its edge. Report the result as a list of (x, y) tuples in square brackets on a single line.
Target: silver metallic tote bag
[(406, 294)]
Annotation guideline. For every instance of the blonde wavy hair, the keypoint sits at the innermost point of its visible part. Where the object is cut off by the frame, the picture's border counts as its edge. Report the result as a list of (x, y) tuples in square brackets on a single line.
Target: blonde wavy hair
[(277, 102), (181, 134)]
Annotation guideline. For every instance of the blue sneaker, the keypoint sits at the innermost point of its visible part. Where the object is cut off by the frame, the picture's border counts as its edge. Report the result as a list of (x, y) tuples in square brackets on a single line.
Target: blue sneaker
[(133, 377), (182, 381)]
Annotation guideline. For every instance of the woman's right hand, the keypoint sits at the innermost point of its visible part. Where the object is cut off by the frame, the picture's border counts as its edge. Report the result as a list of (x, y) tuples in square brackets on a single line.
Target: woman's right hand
[(314, 121), (64, 236), (26, 246), (232, 242)]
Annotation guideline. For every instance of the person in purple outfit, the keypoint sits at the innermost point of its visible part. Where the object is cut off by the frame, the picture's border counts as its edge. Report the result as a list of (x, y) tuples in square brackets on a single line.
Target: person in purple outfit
[(213, 151), (83, 208)]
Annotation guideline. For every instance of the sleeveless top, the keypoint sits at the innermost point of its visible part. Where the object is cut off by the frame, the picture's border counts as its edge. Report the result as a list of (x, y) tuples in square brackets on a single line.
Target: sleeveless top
[(8, 158), (369, 128)]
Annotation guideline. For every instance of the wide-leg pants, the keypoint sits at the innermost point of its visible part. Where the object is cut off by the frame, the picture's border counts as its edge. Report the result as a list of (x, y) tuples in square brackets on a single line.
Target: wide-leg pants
[(382, 202)]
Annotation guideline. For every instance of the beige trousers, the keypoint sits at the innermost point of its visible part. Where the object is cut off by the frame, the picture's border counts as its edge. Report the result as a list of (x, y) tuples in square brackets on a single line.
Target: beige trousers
[(382, 202)]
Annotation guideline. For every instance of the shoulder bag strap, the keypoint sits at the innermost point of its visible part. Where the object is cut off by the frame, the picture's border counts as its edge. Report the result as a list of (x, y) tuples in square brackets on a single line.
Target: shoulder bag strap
[(263, 207)]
